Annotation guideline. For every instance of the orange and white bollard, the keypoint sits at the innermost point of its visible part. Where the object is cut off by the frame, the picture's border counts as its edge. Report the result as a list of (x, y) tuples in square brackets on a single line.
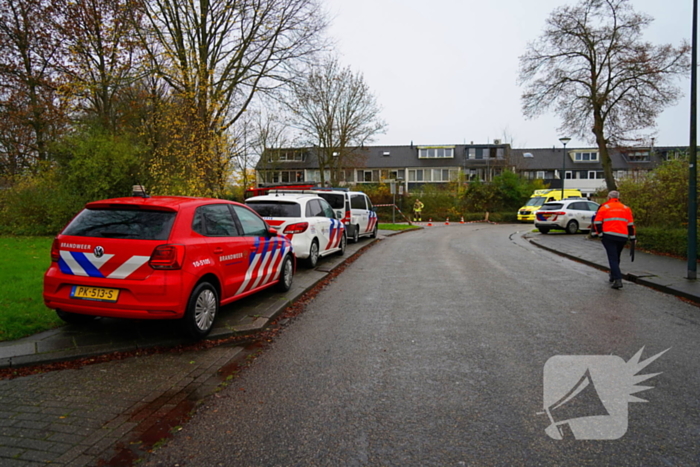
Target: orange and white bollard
[(462, 220), (430, 222), (447, 221)]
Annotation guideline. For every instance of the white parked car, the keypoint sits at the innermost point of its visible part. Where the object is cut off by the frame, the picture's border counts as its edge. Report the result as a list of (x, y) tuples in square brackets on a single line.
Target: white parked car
[(571, 215), (307, 220), (354, 208)]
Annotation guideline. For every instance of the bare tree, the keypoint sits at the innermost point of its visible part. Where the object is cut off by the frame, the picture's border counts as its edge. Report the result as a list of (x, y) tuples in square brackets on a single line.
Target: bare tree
[(335, 111), (218, 54), (31, 111), (103, 54), (593, 67)]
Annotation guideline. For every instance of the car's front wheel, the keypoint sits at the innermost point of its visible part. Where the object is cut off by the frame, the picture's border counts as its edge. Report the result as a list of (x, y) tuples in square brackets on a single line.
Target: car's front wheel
[(374, 232), (286, 274), (572, 227), (74, 318), (202, 309), (312, 260)]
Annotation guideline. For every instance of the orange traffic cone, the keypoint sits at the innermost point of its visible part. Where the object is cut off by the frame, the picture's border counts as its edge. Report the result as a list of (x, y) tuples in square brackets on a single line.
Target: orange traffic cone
[(430, 222), (447, 221), (462, 220)]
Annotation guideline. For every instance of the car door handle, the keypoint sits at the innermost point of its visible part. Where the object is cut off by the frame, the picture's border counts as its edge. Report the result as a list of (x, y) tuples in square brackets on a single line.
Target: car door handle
[(218, 250)]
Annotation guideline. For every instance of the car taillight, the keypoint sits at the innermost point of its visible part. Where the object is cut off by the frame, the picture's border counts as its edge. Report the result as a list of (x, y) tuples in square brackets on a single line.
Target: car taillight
[(55, 253), (347, 217), (299, 227), (167, 257)]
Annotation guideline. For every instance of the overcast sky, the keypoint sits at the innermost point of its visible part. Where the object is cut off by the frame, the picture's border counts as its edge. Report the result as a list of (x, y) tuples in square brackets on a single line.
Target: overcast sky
[(445, 71)]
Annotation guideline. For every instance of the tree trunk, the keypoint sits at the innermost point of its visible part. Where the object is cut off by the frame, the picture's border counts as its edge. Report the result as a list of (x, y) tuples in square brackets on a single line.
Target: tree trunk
[(603, 149)]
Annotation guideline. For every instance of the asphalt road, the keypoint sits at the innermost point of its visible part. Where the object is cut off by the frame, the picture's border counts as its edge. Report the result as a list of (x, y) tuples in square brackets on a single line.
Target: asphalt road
[(431, 349)]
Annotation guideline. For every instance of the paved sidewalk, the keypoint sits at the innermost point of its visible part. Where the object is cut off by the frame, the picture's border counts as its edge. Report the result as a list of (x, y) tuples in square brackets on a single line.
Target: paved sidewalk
[(662, 273)]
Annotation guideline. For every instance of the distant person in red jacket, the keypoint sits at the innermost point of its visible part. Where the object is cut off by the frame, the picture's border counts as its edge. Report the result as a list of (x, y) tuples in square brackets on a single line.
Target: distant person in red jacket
[(615, 224)]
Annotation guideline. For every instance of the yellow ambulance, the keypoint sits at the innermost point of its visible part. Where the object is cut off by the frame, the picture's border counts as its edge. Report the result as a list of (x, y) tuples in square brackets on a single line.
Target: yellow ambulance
[(539, 197)]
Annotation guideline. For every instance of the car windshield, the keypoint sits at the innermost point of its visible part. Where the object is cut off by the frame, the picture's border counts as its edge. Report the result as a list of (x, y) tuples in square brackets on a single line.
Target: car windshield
[(552, 206), (134, 224), (535, 201), (336, 200), (275, 208)]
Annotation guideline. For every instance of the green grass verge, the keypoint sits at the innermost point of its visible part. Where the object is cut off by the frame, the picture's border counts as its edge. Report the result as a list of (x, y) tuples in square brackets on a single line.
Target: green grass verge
[(22, 310), (396, 227)]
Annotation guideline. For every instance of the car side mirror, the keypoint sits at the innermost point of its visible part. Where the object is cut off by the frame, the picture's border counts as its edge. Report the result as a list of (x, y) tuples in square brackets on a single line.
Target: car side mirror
[(273, 232)]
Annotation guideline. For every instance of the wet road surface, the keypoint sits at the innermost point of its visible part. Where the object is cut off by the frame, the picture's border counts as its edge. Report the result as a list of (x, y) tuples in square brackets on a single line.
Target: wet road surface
[(430, 350)]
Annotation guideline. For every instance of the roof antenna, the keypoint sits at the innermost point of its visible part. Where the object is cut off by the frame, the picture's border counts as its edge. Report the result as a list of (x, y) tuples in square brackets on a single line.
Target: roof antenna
[(139, 191)]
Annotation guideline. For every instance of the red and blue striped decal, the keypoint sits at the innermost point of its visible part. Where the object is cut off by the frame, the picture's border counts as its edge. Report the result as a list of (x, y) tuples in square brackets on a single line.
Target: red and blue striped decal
[(77, 263), (372, 221), (264, 262), (335, 234)]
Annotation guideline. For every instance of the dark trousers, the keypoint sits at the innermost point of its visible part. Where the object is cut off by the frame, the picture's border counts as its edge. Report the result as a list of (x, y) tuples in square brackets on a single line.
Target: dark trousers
[(613, 247)]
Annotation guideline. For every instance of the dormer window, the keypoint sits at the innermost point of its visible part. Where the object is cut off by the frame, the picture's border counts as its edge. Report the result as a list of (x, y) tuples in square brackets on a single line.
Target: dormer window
[(586, 156), (638, 156), (436, 152), (290, 156)]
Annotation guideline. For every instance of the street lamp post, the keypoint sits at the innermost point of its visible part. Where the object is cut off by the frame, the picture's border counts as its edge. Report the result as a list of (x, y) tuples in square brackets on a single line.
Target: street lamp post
[(692, 170), (564, 140)]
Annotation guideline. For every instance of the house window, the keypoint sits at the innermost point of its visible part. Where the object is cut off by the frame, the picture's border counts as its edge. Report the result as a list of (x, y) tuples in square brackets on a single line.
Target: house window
[(291, 157), (368, 175), (592, 174), (472, 153), (436, 153), (540, 174), (638, 156), (347, 176), (586, 156)]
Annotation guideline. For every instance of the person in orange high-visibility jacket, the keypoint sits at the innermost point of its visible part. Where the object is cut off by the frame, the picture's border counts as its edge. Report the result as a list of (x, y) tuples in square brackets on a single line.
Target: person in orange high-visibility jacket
[(615, 224)]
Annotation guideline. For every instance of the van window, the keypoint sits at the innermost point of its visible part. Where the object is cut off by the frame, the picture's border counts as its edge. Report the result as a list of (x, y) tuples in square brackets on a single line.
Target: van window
[(539, 201), (337, 201), (358, 202)]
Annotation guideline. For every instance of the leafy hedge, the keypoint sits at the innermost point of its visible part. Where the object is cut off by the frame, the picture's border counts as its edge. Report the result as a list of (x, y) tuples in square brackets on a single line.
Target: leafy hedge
[(664, 240)]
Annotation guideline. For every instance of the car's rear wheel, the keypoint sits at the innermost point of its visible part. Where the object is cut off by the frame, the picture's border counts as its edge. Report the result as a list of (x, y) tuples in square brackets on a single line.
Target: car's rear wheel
[(356, 234), (202, 309), (572, 227), (343, 244), (286, 274), (74, 318), (312, 260), (374, 232), (543, 230)]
